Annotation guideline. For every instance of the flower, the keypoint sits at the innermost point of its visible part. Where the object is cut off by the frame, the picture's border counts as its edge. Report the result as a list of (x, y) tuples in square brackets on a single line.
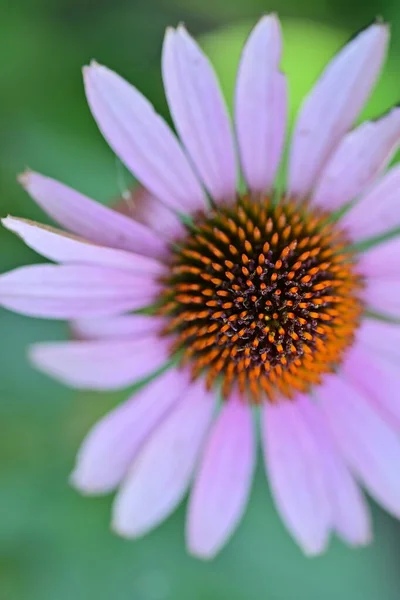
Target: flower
[(263, 299)]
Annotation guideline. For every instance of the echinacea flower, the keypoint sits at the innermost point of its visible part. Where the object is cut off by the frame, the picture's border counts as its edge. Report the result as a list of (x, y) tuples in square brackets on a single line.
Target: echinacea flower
[(256, 301)]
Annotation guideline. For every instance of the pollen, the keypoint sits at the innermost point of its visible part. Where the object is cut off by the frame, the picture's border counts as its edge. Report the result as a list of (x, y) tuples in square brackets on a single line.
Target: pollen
[(262, 296)]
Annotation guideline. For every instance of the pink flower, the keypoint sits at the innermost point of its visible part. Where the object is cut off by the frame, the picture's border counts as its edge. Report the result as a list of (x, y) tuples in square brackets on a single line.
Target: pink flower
[(267, 302)]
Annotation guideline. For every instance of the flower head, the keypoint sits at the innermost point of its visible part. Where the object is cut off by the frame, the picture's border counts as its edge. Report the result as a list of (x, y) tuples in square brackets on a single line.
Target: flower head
[(261, 299)]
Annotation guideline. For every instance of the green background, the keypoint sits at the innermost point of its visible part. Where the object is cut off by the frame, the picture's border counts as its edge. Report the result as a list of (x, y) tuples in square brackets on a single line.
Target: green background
[(55, 544)]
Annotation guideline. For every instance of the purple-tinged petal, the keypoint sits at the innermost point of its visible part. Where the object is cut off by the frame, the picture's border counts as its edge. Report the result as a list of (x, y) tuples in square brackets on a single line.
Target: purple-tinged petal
[(112, 444), (367, 442), (296, 474), (360, 157), (350, 513), (223, 483), (382, 295), (381, 338), (101, 365), (333, 105), (119, 327), (163, 469), (89, 219), (199, 112), (74, 291), (378, 211), (61, 247), (142, 139), (261, 105), (376, 377), (381, 261)]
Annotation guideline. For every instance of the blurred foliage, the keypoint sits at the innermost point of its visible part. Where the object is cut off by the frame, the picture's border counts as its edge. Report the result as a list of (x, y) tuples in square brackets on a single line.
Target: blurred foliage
[(56, 545)]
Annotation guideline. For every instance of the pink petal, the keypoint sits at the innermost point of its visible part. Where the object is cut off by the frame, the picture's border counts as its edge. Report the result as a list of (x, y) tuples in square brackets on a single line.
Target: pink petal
[(74, 291), (382, 338), (360, 157), (148, 210), (163, 469), (350, 513), (110, 447), (381, 261), (89, 219), (376, 377), (333, 105), (296, 474), (61, 247), (119, 327), (142, 139), (261, 105), (367, 442), (100, 365), (383, 296), (199, 112), (378, 211), (223, 483)]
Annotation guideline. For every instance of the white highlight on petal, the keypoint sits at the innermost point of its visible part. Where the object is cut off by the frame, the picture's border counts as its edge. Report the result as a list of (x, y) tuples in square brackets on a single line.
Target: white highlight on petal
[(360, 157), (112, 444), (223, 482), (333, 105), (163, 469), (142, 139), (261, 105), (199, 112)]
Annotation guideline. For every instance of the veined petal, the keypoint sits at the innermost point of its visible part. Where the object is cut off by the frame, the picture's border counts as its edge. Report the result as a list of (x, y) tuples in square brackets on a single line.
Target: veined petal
[(64, 248), (163, 469), (199, 112), (142, 139), (89, 219), (296, 475), (333, 105), (360, 157), (261, 105), (381, 261), (382, 338), (378, 211), (74, 291), (101, 365), (110, 447), (367, 442), (350, 513), (223, 483), (383, 296), (118, 327)]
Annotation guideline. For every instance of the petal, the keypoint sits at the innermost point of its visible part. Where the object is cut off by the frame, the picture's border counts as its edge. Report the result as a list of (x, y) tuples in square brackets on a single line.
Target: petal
[(110, 447), (383, 296), (100, 365), (89, 219), (377, 378), (199, 112), (360, 157), (296, 475), (382, 338), (381, 261), (142, 139), (367, 442), (223, 483), (119, 327), (74, 291), (148, 210), (261, 105), (61, 247), (163, 469), (378, 211), (350, 513), (333, 105)]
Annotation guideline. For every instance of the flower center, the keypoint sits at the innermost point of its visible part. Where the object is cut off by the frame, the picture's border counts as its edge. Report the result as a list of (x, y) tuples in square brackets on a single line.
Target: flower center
[(264, 296)]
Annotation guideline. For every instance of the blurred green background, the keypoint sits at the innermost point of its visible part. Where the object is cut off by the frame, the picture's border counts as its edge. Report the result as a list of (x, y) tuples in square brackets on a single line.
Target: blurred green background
[(54, 544)]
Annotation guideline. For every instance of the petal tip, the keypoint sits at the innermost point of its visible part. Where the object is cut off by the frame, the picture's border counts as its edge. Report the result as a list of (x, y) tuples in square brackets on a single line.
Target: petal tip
[(24, 178)]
